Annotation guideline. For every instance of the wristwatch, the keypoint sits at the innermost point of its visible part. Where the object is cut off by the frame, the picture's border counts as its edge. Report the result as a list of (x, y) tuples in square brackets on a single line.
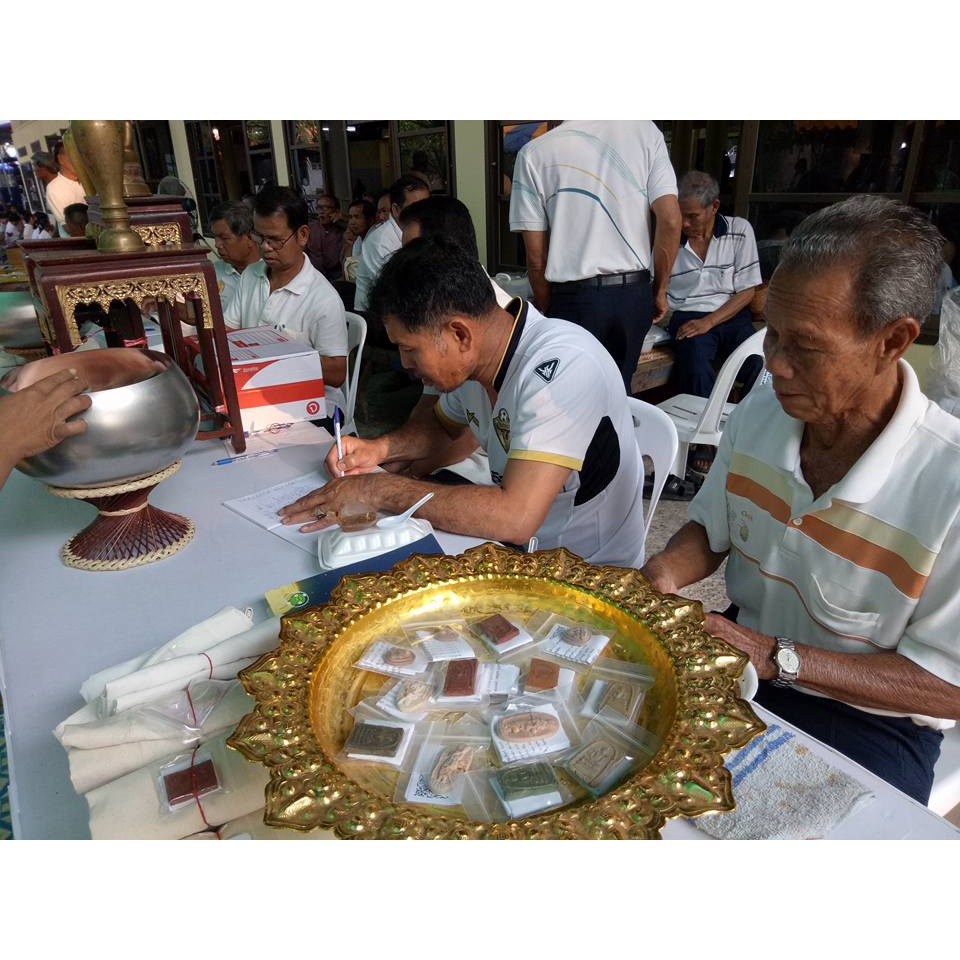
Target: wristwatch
[(787, 661)]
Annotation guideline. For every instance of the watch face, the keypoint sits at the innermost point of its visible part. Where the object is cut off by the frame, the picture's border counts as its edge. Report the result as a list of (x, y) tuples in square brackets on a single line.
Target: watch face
[(788, 660)]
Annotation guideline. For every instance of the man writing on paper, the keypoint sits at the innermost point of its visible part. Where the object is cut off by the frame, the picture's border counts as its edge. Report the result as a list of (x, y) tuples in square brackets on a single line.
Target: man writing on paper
[(835, 497), (542, 397)]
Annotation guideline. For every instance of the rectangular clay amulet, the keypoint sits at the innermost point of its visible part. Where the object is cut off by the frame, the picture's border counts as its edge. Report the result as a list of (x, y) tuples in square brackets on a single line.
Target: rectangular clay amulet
[(461, 678), (497, 629), (542, 675), (182, 785), (526, 780), (375, 739)]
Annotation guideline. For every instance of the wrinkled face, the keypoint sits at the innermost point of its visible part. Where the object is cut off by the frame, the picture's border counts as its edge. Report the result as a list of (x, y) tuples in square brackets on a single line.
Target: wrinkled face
[(383, 209), (328, 211), (281, 247), (822, 365), (357, 222), (230, 247), (698, 220), (435, 357)]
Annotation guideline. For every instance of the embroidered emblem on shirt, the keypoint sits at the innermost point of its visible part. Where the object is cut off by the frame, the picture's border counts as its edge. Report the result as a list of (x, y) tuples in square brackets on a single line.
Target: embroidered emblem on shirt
[(472, 418), (546, 371), (497, 478), (501, 423)]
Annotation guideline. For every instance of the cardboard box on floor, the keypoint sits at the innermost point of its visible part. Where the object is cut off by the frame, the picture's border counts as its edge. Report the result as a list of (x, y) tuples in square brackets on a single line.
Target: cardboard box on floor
[(278, 380)]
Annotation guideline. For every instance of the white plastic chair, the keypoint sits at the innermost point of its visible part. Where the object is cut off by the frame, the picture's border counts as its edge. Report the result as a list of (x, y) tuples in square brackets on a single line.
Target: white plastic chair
[(700, 420), (657, 439), (356, 337)]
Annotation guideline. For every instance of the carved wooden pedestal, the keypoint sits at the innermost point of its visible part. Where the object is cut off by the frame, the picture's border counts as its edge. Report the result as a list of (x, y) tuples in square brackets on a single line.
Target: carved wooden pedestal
[(180, 278)]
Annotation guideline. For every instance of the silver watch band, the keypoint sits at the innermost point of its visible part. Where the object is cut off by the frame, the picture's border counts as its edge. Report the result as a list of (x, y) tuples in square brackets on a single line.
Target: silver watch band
[(785, 677)]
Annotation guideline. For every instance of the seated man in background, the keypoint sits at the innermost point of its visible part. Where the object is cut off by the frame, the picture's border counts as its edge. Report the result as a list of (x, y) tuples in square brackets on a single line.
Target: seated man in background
[(285, 291), (542, 396), (835, 498), (361, 216), (326, 238), (75, 220), (232, 225), (65, 188), (385, 240)]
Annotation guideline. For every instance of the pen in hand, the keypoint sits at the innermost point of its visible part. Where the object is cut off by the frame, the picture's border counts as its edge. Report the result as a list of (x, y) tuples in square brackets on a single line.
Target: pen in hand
[(337, 421)]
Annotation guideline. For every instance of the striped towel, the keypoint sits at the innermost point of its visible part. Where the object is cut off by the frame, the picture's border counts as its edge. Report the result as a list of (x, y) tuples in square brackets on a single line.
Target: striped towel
[(784, 792)]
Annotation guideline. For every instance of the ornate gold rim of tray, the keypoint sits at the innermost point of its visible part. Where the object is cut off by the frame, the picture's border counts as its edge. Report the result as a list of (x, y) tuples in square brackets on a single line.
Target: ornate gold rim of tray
[(685, 778)]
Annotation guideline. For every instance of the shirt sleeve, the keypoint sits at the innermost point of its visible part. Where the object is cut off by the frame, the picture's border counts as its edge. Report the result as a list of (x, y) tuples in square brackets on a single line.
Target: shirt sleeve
[(555, 421), (449, 408), (709, 506), (930, 639), (327, 330), (527, 208), (746, 264), (662, 180)]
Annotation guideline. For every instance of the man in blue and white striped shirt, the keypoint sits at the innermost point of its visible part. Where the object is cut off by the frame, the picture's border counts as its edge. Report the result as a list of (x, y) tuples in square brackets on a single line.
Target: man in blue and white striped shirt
[(712, 282)]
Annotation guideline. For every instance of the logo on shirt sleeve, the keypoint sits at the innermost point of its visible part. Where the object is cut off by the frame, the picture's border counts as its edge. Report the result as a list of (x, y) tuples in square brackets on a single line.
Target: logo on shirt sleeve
[(501, 423), (546, 371)]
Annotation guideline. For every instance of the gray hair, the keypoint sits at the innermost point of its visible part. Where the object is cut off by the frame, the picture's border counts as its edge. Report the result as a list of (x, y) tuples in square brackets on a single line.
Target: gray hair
[(699, 186), (894, 251), (237, 215), (46, 161)]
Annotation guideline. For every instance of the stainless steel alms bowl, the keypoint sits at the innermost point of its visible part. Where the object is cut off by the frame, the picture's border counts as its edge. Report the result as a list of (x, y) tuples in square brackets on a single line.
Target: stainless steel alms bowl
[(18, 321), (143, 416)]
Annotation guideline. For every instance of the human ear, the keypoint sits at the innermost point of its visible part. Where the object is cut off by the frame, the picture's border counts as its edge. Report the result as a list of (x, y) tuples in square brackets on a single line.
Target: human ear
[(462, 334), (896, 337)]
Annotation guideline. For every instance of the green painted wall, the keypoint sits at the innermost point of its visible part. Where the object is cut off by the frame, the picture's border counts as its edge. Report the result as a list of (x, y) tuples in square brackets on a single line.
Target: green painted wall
[(470, 159)]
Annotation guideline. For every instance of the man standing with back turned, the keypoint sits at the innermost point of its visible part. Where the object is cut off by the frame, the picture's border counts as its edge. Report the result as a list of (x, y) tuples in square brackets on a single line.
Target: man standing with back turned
[(582, 196)]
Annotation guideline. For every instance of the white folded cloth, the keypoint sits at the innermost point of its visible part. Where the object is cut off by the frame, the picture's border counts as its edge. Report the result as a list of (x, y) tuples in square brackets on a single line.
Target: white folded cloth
[(133, 808), (227, 622), (784, 792), (222, 661), (95, 766), (252, 827)]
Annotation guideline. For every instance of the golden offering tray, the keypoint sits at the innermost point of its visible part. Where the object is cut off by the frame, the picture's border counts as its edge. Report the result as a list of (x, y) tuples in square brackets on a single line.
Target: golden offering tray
[(305, 688)]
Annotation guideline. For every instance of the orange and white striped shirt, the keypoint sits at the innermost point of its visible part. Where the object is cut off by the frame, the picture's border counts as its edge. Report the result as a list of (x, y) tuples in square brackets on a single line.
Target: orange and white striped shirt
[(873, 563)]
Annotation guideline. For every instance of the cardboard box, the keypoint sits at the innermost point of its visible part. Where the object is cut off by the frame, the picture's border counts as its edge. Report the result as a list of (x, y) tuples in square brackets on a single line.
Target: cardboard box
[(278, 380)]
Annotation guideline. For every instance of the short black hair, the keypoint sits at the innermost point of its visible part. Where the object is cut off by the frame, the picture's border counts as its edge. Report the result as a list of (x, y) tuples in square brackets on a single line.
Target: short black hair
[(237, 215), (46, 161), (403, 185), (273, 199), (75, 212), (369, 209), (443, 217), (426, 281)]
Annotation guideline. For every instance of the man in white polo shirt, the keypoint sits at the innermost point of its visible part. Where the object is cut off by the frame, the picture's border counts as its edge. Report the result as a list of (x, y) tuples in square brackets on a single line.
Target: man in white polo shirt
[(713, 280), (285, 291), (540, 395), (835, 497), (581, 196), (380, 243), (232, 225)]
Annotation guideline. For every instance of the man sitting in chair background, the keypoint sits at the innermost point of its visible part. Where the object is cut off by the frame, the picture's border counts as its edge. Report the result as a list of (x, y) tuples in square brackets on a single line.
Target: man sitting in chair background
[(711, 285), (835, 498)]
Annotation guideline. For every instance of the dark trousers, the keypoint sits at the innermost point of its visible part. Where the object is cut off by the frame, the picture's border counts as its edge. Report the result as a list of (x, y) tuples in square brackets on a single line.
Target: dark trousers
[(694, 357), (894, 748), (618, 316)]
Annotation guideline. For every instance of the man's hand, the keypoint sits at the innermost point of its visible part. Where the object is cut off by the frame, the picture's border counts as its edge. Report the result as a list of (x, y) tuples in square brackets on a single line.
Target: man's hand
[(659, 305), (359, 456), (37, 417), (757, 646), (320, 508), (694, 328)]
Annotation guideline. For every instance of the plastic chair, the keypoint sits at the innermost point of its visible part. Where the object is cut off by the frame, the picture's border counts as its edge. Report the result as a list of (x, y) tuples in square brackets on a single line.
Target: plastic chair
[(356, 337), (657, 439), (700, 420)]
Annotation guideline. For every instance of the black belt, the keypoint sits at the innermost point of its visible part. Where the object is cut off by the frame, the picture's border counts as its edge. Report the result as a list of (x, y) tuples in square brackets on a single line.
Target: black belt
[(609, 280)]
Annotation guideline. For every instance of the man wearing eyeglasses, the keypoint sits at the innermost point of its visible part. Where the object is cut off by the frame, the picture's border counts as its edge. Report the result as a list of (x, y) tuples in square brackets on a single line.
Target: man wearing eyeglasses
[(285, 291), (326, 238)]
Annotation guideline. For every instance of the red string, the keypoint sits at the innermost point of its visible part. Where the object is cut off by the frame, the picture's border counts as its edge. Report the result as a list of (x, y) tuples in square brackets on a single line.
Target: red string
[(192, 708), (195, 787), (210, 677)]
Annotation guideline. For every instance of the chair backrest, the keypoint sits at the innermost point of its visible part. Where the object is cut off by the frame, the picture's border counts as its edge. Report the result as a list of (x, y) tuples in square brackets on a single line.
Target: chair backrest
[(657, 438), (356, 337), (713, 411)]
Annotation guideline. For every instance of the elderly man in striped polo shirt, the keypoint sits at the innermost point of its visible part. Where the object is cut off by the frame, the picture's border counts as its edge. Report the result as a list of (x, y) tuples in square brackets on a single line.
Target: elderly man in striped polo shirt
[(835, 496)]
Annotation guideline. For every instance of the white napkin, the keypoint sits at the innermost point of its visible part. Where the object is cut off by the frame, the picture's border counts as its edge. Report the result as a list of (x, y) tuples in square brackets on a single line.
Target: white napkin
[(784, 792), (221, 661), (225, 623), (131, 808), (91, 768)]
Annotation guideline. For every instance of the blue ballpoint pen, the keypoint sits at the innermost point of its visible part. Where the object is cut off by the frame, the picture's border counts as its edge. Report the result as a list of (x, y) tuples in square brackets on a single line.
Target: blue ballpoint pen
[(337, 421), (244, 456)]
